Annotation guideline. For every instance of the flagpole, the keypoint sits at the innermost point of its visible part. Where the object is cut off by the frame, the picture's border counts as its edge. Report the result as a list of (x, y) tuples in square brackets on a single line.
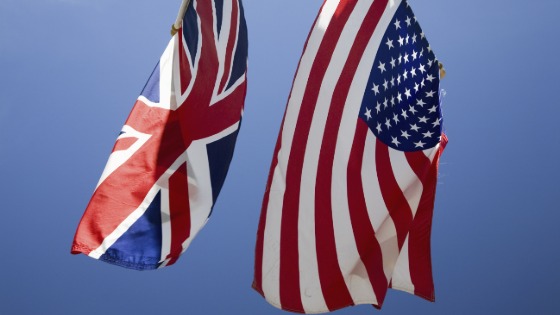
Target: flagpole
[(175, 27)]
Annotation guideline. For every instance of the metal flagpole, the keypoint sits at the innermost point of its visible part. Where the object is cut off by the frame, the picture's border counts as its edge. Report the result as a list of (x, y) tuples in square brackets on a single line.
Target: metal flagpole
[(175, 27)]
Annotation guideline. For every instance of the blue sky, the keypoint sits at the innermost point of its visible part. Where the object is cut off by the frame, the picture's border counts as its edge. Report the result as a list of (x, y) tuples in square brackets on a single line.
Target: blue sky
[(72, 69)]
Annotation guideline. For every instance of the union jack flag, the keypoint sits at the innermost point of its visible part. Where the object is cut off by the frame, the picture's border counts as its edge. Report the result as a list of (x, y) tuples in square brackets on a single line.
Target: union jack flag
[(348, 208), (170, 160)]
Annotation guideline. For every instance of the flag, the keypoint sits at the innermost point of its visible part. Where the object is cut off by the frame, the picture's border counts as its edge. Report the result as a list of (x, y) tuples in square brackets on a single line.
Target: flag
[(171, 158), (348, 207)]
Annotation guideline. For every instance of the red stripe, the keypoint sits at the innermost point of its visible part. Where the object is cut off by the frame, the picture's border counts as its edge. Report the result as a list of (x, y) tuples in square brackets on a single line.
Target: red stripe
[(364, 234), (230, 46), (179, 212), (394, 199), (419, 163), (334, 288), (419, 249), (290, 295)]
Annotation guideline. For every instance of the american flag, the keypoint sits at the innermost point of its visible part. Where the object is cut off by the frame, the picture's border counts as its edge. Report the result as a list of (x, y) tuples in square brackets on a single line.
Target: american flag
[(172, 155), (348, 208)]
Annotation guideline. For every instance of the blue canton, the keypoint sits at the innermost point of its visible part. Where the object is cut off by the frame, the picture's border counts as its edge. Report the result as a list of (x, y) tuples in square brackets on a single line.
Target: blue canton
[(401, 103)]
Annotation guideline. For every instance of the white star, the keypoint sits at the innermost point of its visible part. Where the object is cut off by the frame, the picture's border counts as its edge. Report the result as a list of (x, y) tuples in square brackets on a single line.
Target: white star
[(386, 85), (420, 102), (405, 74), (407, 93), (428, 134), (422, 52), (422, 68), (433, 109), (405, 57), (416, 87), (404, 114), (378, 128), (397, 24), (414, 127), (419, 144), (395, 141), (436, 123), (408, 20), (399, 97), (375, 89), (378, 107), (396, 118), (405, 134), (399, 79), (429, 49), (430, 77), (407, 39), (401, 41), (388, 123), (389, 43), (412, 110), (385, 104), (393, 62), (422, 35), (414, 38), (430, 94), (392, 81), (392, 101), (423, 119), (430, 62), (400, 59), (422, 83), (413, 72), (381, 67), (414, 55), (368, 113)]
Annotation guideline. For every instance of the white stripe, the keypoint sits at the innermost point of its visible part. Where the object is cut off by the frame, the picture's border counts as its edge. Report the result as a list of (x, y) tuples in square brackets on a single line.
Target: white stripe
[(408, 182), (166, 76), (271, 249), (401, 275), (165, 222)]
